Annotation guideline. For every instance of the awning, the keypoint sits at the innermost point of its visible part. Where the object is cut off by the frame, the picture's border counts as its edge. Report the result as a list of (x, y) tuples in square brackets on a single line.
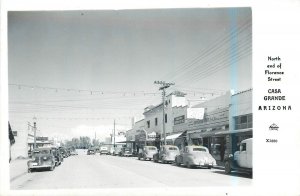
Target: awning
[(120, 142), (174, 136), (234, 131), (126, 142)]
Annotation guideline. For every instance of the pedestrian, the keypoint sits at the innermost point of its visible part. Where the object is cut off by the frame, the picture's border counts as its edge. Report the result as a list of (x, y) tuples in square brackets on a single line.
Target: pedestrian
[(222, 151)]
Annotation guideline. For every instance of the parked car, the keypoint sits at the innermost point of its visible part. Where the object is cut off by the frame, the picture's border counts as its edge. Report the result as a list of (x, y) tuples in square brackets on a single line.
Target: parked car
[(147, 153), (126, 152), (167, 154), (68, 150), (41, 158), (103, 150), (63, 152), (57, 155), (91, 151), (195, 156), (116, 151), (240, 161)]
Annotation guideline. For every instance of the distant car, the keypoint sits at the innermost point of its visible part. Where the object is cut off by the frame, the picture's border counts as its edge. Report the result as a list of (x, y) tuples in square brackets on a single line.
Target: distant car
[(167, 154), (63, 151), (116, 151), (74, 152), (42, 158), (126, 152), (103, 150), (195, 156), (147, 153), (57, 155), (91, 152)]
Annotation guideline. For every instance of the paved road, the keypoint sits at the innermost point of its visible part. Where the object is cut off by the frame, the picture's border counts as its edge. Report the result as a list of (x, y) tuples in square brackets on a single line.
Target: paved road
[(105, 171)]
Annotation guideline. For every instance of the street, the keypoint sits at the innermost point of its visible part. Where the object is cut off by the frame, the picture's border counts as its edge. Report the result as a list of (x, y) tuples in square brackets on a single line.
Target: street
[(106, 171)]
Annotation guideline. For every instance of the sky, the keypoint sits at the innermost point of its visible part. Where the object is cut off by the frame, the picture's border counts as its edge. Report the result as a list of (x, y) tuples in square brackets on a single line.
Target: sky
[(78, 71)]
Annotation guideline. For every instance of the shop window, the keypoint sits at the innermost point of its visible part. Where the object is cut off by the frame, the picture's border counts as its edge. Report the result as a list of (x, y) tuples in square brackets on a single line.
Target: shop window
[(155, 121), (243, 147), (197, 141), (243, 122), (148, 123)]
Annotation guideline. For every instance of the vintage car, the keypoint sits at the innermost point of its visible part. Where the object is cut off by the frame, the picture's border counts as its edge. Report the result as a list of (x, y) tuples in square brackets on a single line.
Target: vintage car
[(103, 150), (195, 156), (147, 153), (42, 158), (57, 155), (91, 151), (166, 154), (116, 151), (241, 160), (126, 152), (63, 152), (74, 152)]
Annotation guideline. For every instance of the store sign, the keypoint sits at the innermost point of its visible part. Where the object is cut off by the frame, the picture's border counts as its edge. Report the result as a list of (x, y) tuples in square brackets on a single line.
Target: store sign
[(179, 120), (42, 138), (152, 136), (195, 113), (215, 119)]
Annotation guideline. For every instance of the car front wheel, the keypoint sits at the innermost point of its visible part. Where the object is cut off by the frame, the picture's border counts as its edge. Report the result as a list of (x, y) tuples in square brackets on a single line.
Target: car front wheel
[(227, 167), (177, 162), (188, 165)]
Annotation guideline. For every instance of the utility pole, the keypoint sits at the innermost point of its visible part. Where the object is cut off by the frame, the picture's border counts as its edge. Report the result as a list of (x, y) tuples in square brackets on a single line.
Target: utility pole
[(34, 130), (163, 86), (114, 135)]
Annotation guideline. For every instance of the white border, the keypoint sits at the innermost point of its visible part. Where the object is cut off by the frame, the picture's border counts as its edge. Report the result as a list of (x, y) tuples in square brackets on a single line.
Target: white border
[(275, 32)]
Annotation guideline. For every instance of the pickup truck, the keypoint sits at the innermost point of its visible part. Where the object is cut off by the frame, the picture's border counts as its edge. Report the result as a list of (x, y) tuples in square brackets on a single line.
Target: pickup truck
[(240, 161)]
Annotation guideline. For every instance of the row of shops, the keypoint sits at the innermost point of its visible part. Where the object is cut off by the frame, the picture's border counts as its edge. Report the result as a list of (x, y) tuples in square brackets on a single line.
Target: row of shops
[(221, 125)]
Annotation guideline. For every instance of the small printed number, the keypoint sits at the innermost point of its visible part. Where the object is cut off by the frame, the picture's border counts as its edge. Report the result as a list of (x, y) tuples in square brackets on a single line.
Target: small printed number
[(271, 140)]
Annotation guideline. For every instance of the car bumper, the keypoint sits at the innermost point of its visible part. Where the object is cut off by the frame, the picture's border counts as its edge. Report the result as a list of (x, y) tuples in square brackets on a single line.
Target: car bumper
[(40, 166), (170, 158), (149, 156), (204, 164)]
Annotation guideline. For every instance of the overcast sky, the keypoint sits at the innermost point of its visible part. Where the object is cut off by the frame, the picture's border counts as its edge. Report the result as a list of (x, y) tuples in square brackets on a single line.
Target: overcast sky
[(118, 55)]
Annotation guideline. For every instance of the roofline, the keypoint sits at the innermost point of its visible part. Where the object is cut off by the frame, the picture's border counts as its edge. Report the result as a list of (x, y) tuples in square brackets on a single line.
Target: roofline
[(153, 108), (244, 91)]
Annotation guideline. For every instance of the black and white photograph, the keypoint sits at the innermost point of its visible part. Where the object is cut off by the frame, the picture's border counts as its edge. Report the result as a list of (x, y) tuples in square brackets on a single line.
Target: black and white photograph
[(92, 93), (143, 100)]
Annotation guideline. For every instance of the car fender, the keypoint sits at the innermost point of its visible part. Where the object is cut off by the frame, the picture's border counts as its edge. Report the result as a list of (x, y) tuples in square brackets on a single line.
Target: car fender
[(179, 158)]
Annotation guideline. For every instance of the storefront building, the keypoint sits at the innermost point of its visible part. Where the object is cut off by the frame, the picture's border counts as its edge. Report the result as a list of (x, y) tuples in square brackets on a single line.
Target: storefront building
[(176, 112), (227, 121), (203, 131), (241, 119)]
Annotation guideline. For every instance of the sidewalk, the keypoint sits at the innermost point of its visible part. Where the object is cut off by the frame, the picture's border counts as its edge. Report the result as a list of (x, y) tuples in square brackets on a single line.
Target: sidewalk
[(18, 168)]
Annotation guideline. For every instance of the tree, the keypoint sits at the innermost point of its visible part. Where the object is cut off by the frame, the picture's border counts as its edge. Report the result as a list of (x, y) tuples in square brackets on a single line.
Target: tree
[(96, 142), (85, 142)]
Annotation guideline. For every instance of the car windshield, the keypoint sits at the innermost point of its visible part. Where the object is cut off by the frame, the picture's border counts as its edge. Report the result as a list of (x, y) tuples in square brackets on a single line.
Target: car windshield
[(152, 148), (172, 148), (199, 149)]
